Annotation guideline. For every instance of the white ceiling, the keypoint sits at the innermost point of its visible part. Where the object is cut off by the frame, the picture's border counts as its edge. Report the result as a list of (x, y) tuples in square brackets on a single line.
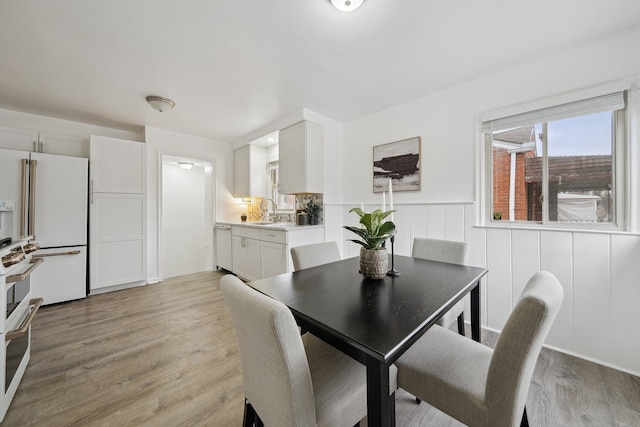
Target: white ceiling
[(235, 66)]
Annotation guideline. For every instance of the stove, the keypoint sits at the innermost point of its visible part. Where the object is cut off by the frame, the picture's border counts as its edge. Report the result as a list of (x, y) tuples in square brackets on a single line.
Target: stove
[(16, 265)]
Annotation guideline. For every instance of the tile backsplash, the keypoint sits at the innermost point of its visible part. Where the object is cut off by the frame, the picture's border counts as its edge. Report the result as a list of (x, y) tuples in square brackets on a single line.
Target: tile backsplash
[(255, 214)]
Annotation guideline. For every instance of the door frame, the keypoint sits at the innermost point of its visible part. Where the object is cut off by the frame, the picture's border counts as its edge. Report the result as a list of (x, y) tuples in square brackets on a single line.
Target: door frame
[(210, 206)]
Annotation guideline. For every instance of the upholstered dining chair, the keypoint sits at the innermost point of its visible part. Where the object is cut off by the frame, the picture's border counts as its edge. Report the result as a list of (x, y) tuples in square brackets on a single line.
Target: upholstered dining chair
[(453, 252), (308, 256), (291, 380), (474, 384)]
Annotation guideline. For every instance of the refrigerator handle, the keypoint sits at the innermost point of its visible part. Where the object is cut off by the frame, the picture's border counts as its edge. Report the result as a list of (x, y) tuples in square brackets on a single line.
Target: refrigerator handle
[(32, 198), (23, 198), (91, 191)]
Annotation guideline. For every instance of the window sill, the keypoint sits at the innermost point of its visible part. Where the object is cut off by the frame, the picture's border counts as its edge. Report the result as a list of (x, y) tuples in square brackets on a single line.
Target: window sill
[(508, 225)]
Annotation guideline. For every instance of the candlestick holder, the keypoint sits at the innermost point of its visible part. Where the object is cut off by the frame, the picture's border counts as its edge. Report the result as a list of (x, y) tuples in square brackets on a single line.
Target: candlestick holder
[(393, 272)]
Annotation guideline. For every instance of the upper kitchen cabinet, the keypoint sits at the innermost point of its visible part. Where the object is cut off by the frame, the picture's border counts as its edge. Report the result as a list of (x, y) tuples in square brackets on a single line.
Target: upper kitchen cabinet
[(44, 142), (250, 171), (301, 154)]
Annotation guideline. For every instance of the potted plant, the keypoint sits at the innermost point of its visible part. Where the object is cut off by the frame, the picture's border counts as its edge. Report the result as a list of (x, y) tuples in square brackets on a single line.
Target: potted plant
[(374, 261), (313, 209)]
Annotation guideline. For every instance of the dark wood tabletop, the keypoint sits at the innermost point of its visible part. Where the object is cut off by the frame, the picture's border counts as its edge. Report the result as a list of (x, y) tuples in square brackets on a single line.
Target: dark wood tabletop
[(374, 321)]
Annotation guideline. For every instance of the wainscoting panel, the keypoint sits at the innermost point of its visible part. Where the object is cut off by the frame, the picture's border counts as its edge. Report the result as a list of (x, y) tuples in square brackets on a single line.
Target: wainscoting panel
[(625, 298), (556, 256), (435, 221), (418, 221), (403, 241), (591, 295), (525, 253), (477, 238), (454, 222), (600, 273), (499, 287)]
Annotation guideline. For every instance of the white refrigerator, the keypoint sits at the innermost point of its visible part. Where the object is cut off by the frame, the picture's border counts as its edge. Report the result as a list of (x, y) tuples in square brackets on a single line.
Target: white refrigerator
[(47, 197)]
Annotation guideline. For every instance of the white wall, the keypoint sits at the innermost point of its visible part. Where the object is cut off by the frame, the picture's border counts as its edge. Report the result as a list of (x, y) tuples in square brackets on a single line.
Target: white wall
[(183, 220), (218, 153), (599, 271)]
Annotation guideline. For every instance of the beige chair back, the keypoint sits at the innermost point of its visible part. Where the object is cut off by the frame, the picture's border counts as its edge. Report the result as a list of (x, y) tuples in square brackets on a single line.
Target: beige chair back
[(275, 369), (308, 256), (515, 355), (450, 251)]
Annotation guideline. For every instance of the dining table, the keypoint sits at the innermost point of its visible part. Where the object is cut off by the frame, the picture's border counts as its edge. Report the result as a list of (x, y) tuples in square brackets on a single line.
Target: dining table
[(375, 321)]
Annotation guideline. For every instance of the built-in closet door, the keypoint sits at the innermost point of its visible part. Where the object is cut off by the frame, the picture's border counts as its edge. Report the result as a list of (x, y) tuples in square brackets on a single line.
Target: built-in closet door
[(117, 213)]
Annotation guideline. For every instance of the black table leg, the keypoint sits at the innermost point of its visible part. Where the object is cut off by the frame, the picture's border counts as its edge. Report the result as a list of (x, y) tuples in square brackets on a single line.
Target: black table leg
[(475, 312), (381, 408)]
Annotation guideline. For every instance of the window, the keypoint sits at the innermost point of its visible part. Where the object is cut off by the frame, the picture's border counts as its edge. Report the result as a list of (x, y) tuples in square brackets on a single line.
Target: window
[(559, 166), (285, 202)]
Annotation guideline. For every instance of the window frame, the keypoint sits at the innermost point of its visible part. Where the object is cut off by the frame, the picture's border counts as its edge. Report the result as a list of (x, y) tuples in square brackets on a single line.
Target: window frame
[(620, 176)]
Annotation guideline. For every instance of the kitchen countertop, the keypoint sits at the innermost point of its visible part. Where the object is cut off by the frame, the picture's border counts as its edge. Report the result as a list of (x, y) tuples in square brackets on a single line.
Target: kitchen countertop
[(271, 225)]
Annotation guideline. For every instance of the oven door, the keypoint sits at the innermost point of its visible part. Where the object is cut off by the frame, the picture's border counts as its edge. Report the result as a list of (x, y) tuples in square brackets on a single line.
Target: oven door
[(17, 352), (18, 293)]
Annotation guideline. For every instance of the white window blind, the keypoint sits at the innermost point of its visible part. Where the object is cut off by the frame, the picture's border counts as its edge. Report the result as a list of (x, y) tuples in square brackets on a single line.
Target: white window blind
[(599, 104)]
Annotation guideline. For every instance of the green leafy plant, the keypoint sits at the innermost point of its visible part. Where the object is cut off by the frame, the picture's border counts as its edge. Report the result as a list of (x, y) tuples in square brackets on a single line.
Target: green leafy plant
[(313, 209), (375, 230)]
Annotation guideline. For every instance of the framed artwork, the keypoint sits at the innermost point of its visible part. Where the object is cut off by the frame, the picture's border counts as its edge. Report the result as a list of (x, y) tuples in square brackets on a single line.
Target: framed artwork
[(399, 161)]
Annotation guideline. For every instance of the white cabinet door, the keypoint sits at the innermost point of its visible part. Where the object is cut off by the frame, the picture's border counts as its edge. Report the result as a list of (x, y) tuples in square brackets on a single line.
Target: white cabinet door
[(117, 213), (250, 171), (246, 257), (44, 142), (65, 145), (117, 239), (18, 139), (117, 166), (301, 158), (274, 259)]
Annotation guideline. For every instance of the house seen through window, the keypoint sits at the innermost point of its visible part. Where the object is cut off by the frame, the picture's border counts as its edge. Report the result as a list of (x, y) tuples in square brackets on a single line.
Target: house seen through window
[(558, 165)]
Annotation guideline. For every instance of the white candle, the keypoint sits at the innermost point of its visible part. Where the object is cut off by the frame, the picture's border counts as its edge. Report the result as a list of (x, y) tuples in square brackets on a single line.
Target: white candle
[(384, 202), (391, 198), (362, 206)]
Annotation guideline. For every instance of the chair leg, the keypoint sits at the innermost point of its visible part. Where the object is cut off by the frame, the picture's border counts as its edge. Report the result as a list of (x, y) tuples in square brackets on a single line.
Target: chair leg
[(525, 420), (461, 324), (418, 400), (249, 414)]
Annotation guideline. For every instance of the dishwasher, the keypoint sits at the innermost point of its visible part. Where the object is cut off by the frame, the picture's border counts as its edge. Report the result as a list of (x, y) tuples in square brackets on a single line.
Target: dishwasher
[(223, 247)]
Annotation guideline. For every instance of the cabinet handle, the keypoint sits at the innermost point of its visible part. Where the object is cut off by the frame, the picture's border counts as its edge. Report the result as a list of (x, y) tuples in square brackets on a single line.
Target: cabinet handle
[(17, 333), (91, 191)]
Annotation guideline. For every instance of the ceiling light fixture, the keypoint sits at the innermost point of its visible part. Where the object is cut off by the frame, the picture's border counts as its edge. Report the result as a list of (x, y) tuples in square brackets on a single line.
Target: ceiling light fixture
[(346, 5), (185, 165), (160, 104)]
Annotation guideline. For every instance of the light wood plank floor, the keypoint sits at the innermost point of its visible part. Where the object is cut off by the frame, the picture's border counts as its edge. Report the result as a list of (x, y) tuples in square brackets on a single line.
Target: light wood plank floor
[(166, 355)]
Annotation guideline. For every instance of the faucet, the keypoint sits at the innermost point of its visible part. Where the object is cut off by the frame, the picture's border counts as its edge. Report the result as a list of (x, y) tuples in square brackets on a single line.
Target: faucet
[(265, 215)]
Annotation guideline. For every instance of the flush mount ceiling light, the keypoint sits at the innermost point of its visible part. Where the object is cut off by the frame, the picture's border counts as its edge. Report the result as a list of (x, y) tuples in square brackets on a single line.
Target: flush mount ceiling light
[(185, 165), (346, 5), (160, 104)]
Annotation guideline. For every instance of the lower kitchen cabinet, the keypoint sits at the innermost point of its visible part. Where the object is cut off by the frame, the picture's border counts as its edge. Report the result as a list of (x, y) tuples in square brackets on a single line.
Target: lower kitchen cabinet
[(273, 258), (246, 257), (260, 252)]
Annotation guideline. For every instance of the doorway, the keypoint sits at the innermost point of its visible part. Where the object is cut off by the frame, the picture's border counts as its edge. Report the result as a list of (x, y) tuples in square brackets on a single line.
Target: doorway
[(186, 216)]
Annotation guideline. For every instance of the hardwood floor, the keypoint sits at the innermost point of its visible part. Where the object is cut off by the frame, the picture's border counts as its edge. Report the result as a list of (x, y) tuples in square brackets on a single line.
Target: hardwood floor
[(166, 355)]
